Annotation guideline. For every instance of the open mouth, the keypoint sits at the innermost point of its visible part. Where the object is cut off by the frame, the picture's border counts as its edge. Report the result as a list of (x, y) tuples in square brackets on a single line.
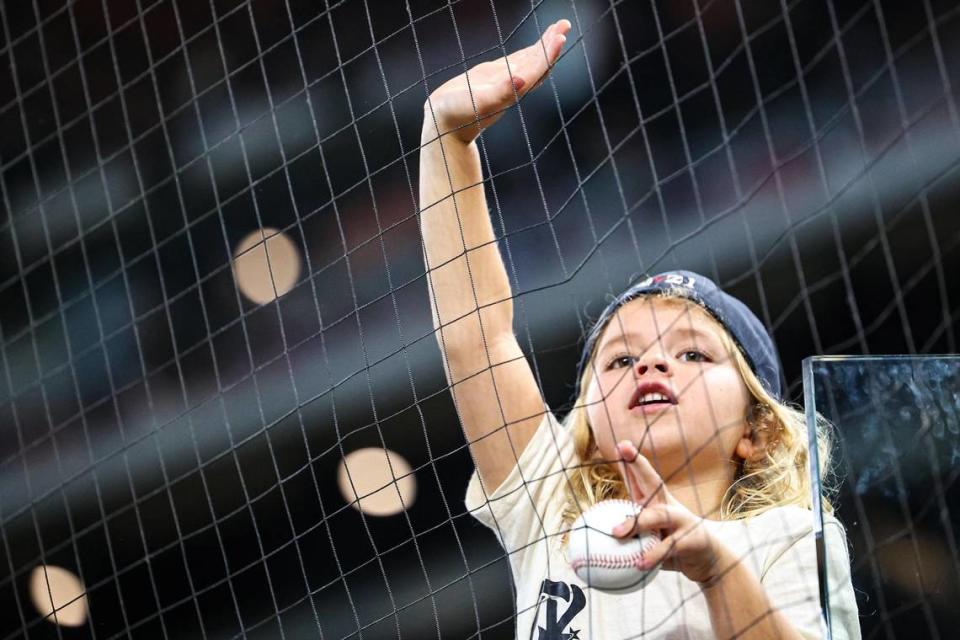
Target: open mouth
[(653, 398), (652, 395)]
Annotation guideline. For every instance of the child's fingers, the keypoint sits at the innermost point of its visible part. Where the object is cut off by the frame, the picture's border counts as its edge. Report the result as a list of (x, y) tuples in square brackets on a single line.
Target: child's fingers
[(658, 517), (680, 529), (553, 48), (635, 490), (626, 529), (657, 554), (532, 63), (562, 27), (640, 492), (554, 38), (474, 100), (639, 469)]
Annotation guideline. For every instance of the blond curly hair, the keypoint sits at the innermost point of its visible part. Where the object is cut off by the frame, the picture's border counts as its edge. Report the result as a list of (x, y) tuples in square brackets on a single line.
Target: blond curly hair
[(780, 476)]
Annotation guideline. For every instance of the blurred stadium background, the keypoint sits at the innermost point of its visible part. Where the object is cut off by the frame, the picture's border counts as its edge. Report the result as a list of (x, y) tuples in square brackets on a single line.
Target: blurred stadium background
[(212, 289)]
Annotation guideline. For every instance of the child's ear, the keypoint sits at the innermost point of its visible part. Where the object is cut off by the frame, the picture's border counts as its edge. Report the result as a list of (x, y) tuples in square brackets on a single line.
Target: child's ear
[(747, 449), (756, 433)]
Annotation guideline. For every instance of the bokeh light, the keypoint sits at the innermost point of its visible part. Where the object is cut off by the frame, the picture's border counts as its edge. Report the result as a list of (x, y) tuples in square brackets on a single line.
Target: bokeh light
[(381, 479), (266, 264), (56, 589)]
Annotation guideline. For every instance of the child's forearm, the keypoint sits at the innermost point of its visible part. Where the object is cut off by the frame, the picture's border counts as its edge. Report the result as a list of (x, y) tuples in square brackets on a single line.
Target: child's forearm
[(739, 606), (455, 231)]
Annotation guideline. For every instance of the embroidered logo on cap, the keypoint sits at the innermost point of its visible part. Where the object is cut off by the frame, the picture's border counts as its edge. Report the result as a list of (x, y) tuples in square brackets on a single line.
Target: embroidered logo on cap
[(674, 279)]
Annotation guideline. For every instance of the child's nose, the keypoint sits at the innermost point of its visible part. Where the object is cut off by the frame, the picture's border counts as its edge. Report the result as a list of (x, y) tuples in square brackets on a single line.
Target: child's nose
[(657, 362)]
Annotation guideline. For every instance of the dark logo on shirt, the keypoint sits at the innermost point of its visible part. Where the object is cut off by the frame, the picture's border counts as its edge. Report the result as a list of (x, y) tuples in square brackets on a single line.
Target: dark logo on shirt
[(555, 628)]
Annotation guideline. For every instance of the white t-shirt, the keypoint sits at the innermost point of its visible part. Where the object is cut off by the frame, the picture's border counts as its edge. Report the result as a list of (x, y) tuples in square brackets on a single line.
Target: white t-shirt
[(554, 604)]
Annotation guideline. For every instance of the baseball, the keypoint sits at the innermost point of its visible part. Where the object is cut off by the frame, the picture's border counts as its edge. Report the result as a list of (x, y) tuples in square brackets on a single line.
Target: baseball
[(602, 560)]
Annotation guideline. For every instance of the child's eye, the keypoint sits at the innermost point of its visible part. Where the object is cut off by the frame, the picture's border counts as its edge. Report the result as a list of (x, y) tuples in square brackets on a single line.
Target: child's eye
[(624, 360), (692, 355)]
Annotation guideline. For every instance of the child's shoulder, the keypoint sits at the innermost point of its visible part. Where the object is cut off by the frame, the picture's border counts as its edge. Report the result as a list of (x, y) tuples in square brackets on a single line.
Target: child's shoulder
[(786, 518), (791, 519), (787, 511)]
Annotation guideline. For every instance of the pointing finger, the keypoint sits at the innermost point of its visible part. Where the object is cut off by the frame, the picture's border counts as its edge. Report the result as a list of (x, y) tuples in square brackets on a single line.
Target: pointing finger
[(638, 468)]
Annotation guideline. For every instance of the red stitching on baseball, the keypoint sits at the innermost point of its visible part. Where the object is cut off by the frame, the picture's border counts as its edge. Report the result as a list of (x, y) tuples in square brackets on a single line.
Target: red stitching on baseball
[(610, 561)]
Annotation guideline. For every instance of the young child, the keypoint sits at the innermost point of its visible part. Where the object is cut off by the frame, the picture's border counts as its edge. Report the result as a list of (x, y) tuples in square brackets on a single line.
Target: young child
[(678, 409)]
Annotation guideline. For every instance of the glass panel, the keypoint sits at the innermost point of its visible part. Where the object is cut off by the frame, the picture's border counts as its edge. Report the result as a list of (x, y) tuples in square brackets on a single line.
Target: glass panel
[(896, 461)]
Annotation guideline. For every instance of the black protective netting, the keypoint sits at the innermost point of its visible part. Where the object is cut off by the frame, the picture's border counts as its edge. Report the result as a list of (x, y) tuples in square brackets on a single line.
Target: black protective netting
[(177, 395)]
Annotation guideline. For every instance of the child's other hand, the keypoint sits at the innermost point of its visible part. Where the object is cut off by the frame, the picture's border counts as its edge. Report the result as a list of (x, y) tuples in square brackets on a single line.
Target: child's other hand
[(686, 544), (474, 100)]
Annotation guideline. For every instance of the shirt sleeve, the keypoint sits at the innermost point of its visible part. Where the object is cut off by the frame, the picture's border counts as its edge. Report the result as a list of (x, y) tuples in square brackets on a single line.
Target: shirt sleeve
[(527, 505), (791, 582), (844, 616)]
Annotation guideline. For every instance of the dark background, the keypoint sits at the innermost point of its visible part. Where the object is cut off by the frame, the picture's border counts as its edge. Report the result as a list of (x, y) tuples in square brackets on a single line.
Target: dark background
[(176, 445), (900, 419)]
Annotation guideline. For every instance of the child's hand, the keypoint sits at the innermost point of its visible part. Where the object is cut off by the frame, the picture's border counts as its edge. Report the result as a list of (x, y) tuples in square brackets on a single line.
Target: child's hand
[(686, 546), (472, 101)]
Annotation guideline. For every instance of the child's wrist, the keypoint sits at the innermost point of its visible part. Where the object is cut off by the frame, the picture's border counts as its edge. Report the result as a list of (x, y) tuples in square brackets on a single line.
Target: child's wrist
[(725, 562)]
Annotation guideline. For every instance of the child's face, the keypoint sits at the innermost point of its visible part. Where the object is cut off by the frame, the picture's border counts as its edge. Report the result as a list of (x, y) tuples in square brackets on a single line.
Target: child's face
[(694, 402)]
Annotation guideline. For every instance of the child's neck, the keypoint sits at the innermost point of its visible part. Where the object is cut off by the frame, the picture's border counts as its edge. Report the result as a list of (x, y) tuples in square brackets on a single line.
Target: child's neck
[(701, 491)]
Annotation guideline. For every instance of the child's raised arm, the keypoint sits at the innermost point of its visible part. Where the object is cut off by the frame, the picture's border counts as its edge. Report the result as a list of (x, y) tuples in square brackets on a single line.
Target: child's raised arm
[(470, 294)]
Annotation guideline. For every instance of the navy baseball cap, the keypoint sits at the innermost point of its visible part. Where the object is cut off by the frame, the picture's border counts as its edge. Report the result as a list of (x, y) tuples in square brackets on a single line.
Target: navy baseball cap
[(748, 332)]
